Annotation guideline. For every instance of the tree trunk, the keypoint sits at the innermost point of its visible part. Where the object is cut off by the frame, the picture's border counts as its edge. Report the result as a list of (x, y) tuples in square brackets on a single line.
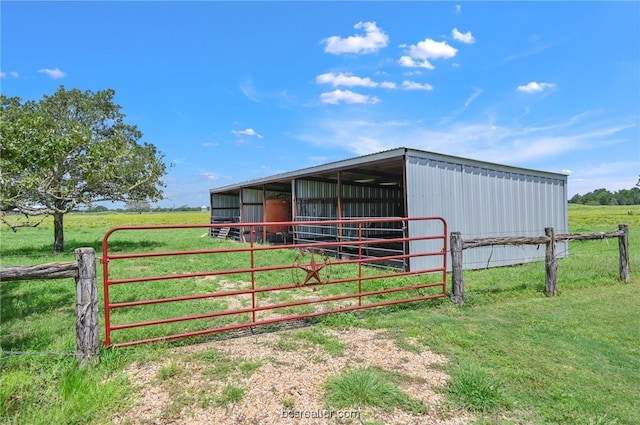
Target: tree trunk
[(58, 233)]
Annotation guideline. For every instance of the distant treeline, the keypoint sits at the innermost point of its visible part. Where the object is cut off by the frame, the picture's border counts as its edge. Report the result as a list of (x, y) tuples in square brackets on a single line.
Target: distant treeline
[(604, 197), (139, 209)]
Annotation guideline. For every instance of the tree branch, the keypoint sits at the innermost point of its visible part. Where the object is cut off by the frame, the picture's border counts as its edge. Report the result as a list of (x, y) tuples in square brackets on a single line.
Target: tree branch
[(18, 224)]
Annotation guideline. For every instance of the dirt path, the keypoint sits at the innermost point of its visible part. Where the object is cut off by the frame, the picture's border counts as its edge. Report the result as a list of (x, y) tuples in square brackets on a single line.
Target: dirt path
[(278, 378)]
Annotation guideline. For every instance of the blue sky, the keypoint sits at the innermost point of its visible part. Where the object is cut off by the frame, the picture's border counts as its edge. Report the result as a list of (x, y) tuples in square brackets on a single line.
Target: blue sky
[(236, 91)]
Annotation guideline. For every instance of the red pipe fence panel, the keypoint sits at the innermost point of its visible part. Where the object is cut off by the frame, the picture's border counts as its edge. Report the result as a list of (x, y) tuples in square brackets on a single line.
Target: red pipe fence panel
[(215, 285)]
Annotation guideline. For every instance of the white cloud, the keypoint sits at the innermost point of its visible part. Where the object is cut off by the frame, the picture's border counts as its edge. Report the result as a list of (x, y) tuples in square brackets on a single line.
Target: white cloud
[(12, 74), (350, 80), (210, 144), (54, 73), (465, 37), (247, 88), (346, 96), (458, 8), (412, 85), (208, 176), (487, 139), (318, 159), (534, 87), (408, 62), (613, 176), (347, 80), (373, 40), (388, 85), (247, 132), (473, 97), (531, 52), (420, 54)]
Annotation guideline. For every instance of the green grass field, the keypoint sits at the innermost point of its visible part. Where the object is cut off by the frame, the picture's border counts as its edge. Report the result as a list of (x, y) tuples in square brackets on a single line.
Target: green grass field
[(516, 356)]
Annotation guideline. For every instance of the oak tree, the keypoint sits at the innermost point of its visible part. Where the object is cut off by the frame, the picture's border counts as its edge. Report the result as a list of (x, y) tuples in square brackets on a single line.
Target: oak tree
[(69, 149)]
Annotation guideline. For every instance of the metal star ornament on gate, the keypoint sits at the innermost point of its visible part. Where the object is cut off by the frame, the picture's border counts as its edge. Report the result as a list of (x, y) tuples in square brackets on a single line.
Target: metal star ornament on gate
[(312, 269)]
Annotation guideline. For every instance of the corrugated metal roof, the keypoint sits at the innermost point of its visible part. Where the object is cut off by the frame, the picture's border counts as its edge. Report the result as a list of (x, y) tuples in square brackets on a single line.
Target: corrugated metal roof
[(388, 155)]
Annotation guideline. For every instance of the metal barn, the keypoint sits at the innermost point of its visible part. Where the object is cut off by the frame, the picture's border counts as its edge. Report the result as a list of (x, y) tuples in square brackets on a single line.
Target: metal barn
[(478, 199)]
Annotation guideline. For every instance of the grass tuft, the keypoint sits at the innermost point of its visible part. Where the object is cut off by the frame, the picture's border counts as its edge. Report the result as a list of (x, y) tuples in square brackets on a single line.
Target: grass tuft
[(329, 343), (473, 388), (369, 387), (230, 394), (169, 371)]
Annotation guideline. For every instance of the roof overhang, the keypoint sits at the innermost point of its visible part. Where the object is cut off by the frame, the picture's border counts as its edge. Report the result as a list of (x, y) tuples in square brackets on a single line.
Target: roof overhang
[(378, 169)]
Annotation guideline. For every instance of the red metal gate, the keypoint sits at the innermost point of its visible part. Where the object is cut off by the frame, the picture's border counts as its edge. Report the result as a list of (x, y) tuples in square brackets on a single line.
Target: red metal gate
[(215, 284)]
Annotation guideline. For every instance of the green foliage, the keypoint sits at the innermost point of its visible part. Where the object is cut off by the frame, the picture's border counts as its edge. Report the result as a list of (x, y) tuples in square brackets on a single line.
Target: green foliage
[(230, 394), (67, 395), (69, 149), (138, 206), (169, 371), (605, 197), (316, 335), (370, 387), (475, 389), (585, 218)]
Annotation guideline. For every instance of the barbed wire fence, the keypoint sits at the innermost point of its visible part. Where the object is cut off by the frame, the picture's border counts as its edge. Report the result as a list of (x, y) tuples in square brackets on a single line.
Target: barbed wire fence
[(550, 239), (83, 271)]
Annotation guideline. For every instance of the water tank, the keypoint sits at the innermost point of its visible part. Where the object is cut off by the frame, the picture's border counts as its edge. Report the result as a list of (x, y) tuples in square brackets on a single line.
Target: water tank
[(277, 210)]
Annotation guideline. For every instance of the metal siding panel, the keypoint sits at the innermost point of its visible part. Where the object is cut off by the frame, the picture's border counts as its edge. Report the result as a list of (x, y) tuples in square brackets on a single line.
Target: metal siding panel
[(253, 214), (479, 201), (433, 189), (225, 201), (366, 201), (315, 200), (251, 196), (225, 207)]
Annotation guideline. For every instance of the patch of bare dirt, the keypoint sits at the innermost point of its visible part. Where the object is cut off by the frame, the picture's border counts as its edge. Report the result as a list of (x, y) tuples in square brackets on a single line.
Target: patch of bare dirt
[(283, 382)]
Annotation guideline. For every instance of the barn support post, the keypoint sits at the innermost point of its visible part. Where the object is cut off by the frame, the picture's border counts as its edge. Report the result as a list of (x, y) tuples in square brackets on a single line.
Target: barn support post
[(457, 282), (551, 264), (264, 213), (87, 335), (339, 232), (623, 244)]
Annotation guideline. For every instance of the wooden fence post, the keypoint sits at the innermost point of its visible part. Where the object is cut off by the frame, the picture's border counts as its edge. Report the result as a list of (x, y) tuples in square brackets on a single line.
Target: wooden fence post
[(457, 282), (623, 243), (87, 335), (551, 264)]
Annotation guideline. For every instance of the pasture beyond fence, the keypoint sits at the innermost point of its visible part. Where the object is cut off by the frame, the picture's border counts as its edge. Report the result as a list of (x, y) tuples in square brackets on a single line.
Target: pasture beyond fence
[(83, 270), (230, 286), (551, 265)]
